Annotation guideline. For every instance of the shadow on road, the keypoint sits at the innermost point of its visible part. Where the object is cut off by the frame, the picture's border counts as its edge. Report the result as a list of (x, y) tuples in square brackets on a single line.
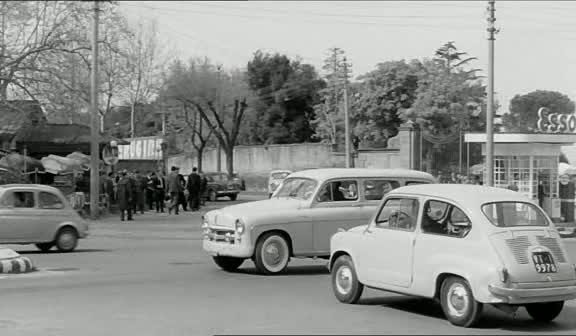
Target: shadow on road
[(290, 271), (58, 252), (491, 319)]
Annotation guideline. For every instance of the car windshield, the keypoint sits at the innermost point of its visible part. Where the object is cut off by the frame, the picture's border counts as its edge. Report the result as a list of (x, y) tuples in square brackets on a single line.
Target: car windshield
[(279, 176), (512, 214), (299, 188)]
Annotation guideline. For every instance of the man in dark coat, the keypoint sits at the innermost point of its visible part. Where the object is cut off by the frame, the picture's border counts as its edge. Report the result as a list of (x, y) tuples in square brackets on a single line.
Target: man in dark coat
[(160, 194), (182, 199), (140, 191), (151, 190), (174, 189), (193, 187), (125, 195), (203, 188)]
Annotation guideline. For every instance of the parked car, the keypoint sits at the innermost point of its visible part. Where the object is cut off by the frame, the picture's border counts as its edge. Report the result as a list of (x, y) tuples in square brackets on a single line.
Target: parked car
[(275, 179), (220, 185), (463, 245), (299, 219), (41, 215)]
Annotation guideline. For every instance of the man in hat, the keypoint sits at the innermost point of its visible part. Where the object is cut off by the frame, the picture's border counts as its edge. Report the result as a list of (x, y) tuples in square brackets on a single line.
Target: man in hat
[(125, 195), (174, 189), (193, 187)]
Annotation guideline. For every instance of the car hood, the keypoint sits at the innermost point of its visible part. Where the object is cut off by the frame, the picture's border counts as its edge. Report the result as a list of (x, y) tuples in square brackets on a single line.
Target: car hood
[(228, 215)]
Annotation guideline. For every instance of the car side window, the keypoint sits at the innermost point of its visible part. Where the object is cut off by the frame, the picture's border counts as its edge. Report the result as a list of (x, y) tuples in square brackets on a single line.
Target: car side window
[(445, 219), (399, 214), (338, 191), (7, 200), (23, 199), (376, 189), (48, 200)]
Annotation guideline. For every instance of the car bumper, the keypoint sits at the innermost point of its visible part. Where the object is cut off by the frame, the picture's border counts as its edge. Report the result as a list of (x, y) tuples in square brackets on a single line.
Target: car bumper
[(225, 249), (519, 296), (227, 192)]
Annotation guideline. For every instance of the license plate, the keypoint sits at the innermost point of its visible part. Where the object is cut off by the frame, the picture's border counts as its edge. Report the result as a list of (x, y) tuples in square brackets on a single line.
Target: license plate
[(543, 262)]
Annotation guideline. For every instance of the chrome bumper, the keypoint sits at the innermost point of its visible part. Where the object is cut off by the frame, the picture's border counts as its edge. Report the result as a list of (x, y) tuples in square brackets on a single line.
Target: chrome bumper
[(515, 295), (218, 248)]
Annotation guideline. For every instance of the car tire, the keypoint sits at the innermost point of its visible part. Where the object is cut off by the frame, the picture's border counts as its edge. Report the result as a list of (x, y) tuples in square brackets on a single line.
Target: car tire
[(233, 197), (458, 303), (45, 247), (345, 284), (272, 254), (545, 311), (228, 264), (66, 239), (212, 196)]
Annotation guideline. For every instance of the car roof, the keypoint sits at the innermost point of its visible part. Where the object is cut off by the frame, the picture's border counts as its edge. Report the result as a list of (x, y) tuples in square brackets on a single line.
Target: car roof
[(329, 173), (465, 194), (41, 187), (280, 171)]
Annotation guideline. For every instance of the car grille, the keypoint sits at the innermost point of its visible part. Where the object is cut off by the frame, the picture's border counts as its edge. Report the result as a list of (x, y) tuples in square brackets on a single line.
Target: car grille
[(219, 235), (552, 245), (519, 247)]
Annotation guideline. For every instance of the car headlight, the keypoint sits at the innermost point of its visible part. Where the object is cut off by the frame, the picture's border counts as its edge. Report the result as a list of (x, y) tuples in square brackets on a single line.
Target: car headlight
[(240, 228)]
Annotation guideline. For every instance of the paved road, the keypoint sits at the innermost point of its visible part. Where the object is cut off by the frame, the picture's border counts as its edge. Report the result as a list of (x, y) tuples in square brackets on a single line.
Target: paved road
[(150, 277)]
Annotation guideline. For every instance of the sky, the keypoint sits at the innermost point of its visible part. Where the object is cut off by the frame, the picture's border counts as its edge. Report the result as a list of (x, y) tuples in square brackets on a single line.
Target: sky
[(535, 48)]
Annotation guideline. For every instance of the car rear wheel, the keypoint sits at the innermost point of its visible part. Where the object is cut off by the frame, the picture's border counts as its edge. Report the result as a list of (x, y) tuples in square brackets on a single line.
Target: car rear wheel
[(345, 284), (44, 247), (229, 264), (272, 254), (545, 311), (233, 197), (212, 196), (66, 239), (458, 303)]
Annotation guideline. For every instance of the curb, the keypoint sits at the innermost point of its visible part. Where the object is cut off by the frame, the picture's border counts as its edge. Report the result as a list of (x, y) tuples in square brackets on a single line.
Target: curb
[(16, 265)]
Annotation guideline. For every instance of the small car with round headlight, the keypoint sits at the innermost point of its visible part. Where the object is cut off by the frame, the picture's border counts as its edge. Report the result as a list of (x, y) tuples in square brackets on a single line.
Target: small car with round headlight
[(300, 217), (465, 246)]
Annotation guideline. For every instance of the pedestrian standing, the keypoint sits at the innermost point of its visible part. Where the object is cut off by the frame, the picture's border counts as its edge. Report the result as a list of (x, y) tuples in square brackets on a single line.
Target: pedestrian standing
[(203, 188), (174, 189), (194, 189), (140, 191), (151, 190), (160, 192), (125, 195), (182, 197)]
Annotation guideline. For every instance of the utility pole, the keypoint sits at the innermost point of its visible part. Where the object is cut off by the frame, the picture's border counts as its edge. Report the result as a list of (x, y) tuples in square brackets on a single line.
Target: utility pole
[(349, 163), (95, 129), (219, 150), (490, 107)]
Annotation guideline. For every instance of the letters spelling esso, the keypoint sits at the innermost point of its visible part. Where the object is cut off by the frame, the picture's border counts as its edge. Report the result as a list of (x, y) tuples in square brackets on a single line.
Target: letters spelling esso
[(555, 122)]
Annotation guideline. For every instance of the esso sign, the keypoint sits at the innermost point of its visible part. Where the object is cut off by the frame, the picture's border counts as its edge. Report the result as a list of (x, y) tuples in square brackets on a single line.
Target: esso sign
[(555, 122)]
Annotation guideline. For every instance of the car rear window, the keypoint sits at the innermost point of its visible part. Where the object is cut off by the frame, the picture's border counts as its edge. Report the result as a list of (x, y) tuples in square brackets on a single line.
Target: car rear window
[(513, 214)]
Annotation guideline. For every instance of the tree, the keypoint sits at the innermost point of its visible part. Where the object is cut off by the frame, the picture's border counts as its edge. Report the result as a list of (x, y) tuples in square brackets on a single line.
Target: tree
[(523, 115), (219, 97), (382, 93), (145, 62), (329, 115), (286, 92), (449, 99)]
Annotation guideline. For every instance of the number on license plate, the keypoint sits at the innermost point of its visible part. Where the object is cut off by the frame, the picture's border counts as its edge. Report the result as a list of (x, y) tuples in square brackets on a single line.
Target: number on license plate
[(543, 262)]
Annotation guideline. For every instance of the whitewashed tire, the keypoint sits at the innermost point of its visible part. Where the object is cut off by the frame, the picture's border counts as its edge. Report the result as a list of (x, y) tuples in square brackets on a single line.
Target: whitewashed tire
[(345, 284), (272, 254), (458, 303)]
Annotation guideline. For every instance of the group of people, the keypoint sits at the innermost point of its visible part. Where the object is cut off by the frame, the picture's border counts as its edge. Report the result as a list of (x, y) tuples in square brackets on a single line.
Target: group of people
[(133, 191)]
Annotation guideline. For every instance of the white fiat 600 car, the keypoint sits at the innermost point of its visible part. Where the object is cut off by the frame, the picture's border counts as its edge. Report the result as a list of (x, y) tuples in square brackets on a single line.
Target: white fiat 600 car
[(300, 217), (462, 245)]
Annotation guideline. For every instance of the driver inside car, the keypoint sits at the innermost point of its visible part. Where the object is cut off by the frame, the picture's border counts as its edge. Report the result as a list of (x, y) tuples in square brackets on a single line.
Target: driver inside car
[(430, 224)]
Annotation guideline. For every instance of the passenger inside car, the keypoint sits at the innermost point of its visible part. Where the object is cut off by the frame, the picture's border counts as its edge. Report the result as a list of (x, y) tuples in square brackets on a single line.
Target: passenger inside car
[(432, 220)]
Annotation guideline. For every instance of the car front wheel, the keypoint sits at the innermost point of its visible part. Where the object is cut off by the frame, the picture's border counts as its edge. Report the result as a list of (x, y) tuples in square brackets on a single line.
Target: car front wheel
[(345, 284), (272, 254), (545, 311), (229, 264), (66, 239), (233, 197), (458, 303)]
